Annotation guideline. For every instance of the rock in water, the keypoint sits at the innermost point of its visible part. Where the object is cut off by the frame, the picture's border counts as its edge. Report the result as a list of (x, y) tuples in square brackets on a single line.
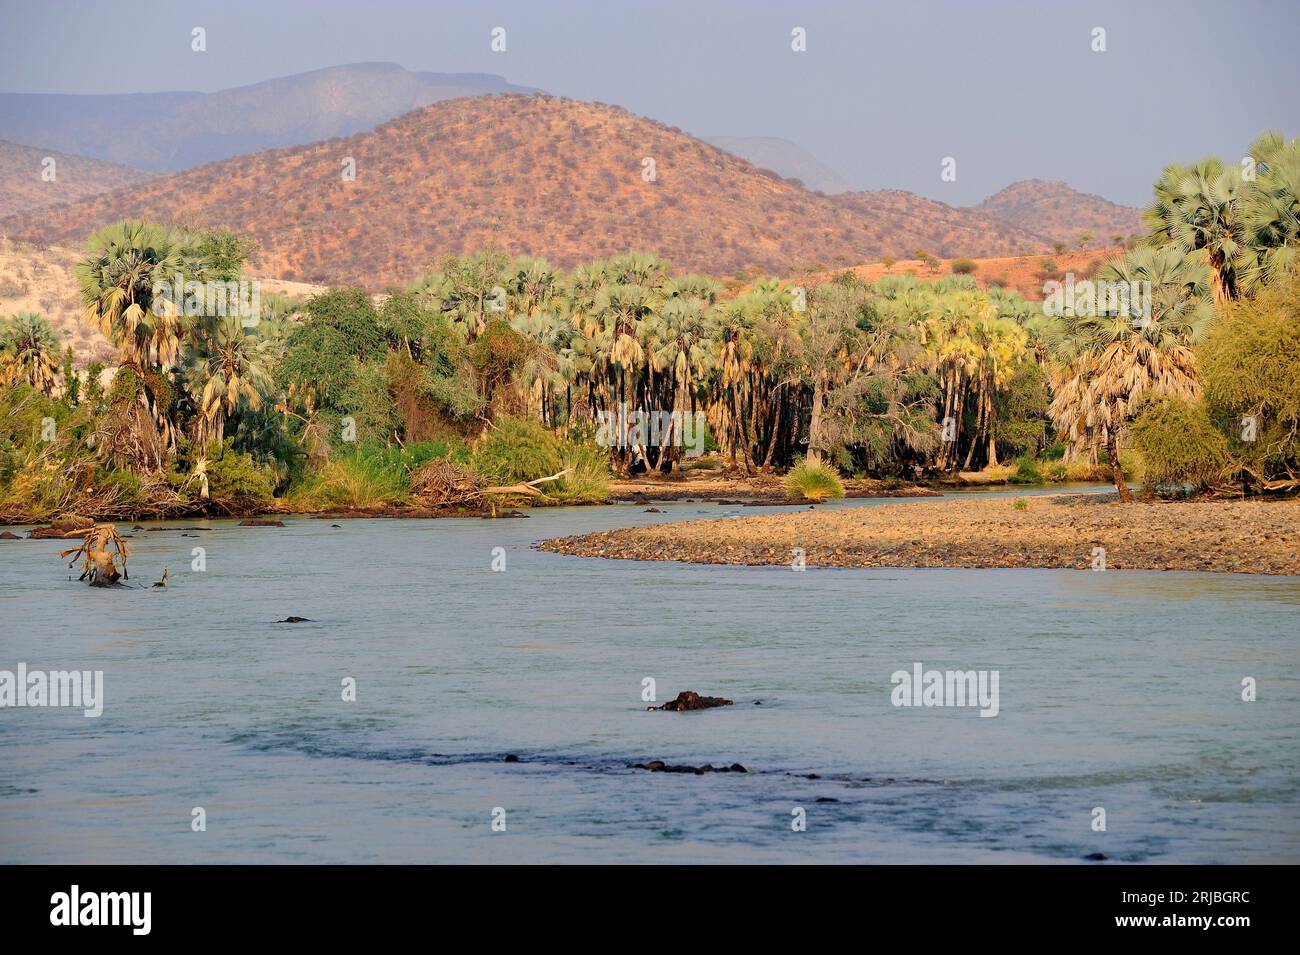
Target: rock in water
[(260, 522), (294, 620), (659, 766), (690, 700)]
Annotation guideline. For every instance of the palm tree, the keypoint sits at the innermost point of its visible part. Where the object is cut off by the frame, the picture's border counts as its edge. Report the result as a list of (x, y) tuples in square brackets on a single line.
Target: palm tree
[(1120, 357), (680, 346), (1272, 211), (28, 353), (127, 263), (227, 376), (1202, 209)]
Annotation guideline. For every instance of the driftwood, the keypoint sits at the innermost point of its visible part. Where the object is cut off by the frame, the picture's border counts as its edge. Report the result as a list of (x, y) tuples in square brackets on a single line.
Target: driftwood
[(527, 488), (97, 563), (444, 483)]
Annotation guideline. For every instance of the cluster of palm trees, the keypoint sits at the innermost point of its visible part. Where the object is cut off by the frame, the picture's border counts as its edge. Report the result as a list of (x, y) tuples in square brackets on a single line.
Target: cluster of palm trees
[(174, 363), (777, 369)]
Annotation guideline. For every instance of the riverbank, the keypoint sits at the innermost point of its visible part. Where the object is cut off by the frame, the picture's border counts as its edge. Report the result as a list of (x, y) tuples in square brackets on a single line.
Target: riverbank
[(1056, 531), (718, 487), (703, 486)]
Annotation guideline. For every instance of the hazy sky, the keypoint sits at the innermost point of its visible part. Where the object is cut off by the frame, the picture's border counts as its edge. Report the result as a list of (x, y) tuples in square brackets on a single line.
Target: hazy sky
[(884, 91)]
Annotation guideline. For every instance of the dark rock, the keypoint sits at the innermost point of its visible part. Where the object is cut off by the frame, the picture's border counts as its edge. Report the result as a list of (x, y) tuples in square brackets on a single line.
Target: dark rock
[(826, 799), (336, 525), (511, 758), (652, 510), (295, 620), (260, 522), (1096, 857), (64, 527), (690, 700), (659, 766)]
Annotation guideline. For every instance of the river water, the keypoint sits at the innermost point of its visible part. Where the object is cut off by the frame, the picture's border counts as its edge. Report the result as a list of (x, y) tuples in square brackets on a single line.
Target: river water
[(1118, 690)]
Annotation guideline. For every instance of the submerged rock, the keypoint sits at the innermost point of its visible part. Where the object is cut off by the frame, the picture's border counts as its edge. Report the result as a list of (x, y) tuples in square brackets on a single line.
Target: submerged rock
[(1096, 857), (260, 522), (690, 700), (295, 620), (7, 536), (72, 526), (659, 766)]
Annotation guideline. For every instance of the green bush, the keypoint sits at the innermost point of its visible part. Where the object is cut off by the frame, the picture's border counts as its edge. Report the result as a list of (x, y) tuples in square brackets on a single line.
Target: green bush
[(812, 482), (517, 449), (964, 267), (1178, 444), (1027, 471), (1250, 364), (235, 482), (524, 450)]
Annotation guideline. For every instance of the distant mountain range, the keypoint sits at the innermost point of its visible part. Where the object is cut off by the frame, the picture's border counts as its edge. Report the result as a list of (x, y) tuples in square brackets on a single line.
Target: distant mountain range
[(34, 178), (166, 132), (531, 174)]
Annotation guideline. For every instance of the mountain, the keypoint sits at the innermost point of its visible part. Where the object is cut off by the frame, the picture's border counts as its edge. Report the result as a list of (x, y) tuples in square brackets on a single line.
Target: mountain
[(1055, 210), (914, 222), (534, 175), (166, 132), (785, 158), (24, 182)]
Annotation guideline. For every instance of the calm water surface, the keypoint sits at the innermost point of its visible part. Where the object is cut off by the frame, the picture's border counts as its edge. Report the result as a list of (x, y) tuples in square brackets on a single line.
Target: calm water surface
[(1118, 690)]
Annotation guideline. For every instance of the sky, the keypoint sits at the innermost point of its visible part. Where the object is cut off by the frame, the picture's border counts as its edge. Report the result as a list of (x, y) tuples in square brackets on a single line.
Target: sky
[(883, 92)]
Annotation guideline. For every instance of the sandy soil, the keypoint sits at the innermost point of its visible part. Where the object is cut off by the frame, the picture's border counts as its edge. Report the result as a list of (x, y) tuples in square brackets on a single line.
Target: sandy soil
[(1052, 531), (713, 485)]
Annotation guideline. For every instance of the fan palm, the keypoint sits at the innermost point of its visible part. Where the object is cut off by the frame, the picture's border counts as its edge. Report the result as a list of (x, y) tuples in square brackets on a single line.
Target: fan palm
[(1202, 209), (229, 375), (28, 353), (1120, 359), (126, 265)]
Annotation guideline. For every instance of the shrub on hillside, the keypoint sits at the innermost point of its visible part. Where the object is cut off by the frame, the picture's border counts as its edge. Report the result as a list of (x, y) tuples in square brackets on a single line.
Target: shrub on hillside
[(964, 267)]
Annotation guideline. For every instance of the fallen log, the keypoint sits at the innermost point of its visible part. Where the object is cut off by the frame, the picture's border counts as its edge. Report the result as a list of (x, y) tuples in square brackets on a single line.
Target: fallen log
[(527, 488)]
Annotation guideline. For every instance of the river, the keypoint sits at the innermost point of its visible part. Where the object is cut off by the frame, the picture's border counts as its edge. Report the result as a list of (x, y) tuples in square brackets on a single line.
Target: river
[(1118, 690)]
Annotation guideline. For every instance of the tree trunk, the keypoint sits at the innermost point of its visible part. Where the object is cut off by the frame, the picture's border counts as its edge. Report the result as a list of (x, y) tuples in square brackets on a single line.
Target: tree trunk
[(1117, 472), (815, 423)]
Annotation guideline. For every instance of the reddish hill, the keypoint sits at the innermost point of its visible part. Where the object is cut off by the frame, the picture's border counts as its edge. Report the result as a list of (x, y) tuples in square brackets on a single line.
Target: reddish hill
[(533, 175), (1055, 210), (915, 223), (23, 188)]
